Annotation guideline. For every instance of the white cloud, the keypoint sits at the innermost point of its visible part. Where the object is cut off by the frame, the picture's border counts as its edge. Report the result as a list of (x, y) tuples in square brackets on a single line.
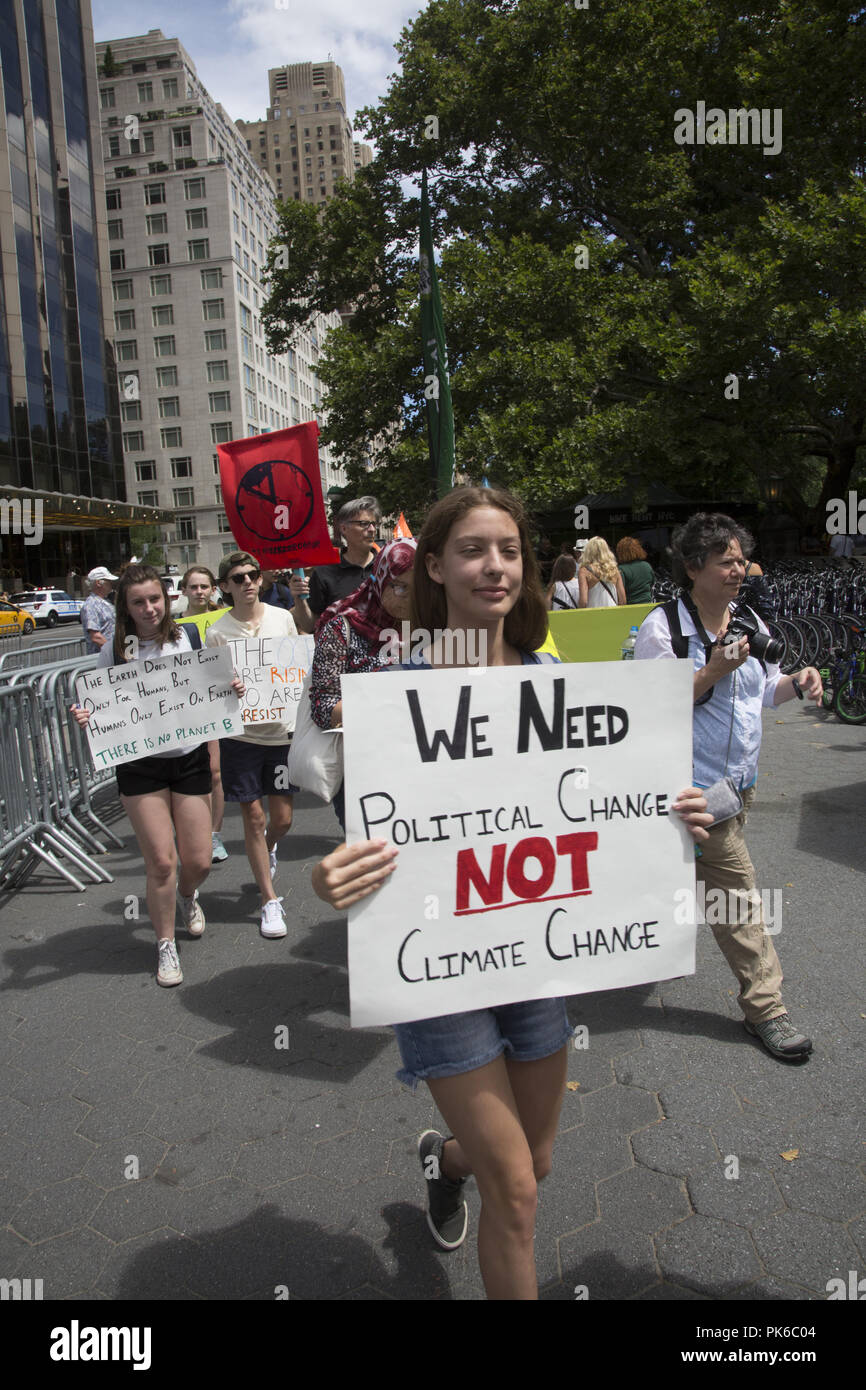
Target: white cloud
[(234, 42)]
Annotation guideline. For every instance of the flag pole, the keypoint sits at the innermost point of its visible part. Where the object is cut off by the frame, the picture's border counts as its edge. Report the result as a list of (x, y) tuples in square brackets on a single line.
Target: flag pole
[(437, 391)]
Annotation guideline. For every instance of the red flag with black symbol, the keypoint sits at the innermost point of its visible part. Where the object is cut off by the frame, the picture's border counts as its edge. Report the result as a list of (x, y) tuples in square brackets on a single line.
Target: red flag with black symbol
[(272, 494)]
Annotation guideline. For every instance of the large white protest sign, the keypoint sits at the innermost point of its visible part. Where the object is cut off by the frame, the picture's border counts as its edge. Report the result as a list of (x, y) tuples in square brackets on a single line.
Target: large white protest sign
[(273, 670), (538, 854), (152, 706)]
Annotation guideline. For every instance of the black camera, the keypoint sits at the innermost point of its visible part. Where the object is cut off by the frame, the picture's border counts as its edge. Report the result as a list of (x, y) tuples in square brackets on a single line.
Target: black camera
[(744, 624)]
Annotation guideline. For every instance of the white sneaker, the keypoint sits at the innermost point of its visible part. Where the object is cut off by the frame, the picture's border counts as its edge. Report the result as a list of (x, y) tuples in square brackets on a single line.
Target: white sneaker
[(191, 914), (273, 859), (218, 849), (168, 971), (273, 921)]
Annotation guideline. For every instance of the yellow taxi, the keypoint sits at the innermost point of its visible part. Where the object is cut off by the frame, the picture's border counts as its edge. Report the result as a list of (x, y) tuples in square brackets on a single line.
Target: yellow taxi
[(14, 621)]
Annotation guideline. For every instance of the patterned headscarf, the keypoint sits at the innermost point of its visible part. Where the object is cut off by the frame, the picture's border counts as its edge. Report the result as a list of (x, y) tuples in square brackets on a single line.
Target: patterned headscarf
[(363, 609)]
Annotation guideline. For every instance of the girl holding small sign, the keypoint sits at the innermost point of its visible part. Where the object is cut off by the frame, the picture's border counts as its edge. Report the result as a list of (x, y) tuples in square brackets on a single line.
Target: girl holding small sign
[(165, 795), (497, 1075)]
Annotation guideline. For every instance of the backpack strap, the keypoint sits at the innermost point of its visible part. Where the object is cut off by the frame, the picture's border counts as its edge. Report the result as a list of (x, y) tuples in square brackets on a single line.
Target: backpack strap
[(679, 640), (193, 635)]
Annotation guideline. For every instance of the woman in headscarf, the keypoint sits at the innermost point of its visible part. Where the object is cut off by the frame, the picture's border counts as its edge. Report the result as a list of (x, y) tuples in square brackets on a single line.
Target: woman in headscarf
[(358, 634)]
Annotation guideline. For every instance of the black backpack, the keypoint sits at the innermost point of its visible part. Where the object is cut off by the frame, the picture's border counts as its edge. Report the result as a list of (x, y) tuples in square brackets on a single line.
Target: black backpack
[(680, 642)]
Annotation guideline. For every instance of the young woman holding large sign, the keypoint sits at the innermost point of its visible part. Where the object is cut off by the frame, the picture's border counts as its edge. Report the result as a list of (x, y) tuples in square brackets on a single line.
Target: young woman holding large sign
[(166, 795), (497, 1075)]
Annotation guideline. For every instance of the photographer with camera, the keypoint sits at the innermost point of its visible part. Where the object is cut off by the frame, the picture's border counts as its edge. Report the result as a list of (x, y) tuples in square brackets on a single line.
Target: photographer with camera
[(736, 674)]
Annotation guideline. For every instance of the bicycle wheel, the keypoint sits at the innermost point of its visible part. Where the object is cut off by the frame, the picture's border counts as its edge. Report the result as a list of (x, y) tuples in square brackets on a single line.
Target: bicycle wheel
[(825, 636), (779, 635), (851, 701), (794, 641)]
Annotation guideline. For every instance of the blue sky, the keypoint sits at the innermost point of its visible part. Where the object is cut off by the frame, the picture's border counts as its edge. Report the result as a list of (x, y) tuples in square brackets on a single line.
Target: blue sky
[(234, 42)]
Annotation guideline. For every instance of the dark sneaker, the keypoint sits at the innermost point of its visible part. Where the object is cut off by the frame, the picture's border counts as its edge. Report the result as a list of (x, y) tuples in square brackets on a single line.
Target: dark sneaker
[(780, 1037), (447, 1213)]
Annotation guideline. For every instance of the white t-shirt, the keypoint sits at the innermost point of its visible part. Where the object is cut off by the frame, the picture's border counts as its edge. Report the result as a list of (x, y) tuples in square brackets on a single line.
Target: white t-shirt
[(274, 622), (566, 594), (153, 649)]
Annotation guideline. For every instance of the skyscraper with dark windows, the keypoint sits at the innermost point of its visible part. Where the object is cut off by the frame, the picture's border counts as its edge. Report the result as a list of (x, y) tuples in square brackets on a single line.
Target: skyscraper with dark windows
[(60, 436)]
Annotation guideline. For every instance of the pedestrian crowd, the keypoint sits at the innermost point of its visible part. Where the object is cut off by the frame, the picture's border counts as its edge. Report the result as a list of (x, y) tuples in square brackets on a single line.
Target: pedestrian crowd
[(497, 1075)]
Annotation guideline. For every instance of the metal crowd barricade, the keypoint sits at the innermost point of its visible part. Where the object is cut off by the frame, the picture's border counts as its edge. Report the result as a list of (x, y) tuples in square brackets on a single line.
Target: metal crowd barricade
[(23, 657), (27, 833), (43, 750)]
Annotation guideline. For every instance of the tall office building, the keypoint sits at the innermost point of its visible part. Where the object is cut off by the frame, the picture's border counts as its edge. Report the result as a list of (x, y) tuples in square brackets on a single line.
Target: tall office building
[(190, 216), (60, 442), (305, 141)]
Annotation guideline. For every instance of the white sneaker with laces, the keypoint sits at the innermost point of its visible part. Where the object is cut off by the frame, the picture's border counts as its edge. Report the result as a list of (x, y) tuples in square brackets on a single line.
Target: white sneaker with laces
[(191, 914), (273, 921), (168, 971)]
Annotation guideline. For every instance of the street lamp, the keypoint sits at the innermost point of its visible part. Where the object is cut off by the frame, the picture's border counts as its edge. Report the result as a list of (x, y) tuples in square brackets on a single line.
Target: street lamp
[(774, 488)]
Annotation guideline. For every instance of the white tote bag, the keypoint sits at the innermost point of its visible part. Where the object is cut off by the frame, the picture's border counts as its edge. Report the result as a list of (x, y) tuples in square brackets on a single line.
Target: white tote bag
[(316, 755)]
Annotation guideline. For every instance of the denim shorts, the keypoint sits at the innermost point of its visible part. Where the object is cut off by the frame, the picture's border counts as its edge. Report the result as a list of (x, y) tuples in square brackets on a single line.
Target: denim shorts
[(435, 1047)]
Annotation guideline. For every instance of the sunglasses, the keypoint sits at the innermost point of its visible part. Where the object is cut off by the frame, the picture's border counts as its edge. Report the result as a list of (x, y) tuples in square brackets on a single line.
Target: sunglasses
[(240, 578), (364, 525)]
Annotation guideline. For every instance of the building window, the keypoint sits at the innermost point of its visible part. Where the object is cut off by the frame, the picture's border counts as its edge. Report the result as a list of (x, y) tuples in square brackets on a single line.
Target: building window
[(223, 521), (164, 347), (115, 229), (133, 441), (193, 189), (145, 472), (156, 223), (218, 494), (251, 404), (145, 143), (218, 371), (216, 466), (213, 308), (117, 260), (145, 91), (181, 137), (196, 218), (158, 254), (106, 98), (169, 407), (183, 496), (215, 340), (154, 193), (219, 401), (113, 200), (166, 376), (181, 467), (221, 434), (130, 410), (113, 146), (127, 351), (199, 250), (170, 438), (211, 279), (163, 62), (186, 528), (124, 320), (160, 284), (148, 499), (169, 86), (138, 67), (162, 314)]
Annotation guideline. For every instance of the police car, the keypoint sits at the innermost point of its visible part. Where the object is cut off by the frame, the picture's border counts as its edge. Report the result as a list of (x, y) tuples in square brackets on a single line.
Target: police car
[(49, 607)]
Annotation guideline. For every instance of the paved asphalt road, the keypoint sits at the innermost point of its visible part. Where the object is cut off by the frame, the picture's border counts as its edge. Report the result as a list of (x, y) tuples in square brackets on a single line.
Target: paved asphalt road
[(259, 1167)]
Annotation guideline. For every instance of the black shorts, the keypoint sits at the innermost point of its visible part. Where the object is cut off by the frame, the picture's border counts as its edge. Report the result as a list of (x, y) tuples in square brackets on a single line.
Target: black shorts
[(251, 771), (187, 775)]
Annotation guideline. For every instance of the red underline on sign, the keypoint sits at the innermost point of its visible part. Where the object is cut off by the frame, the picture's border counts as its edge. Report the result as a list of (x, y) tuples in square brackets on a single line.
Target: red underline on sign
[(521, 902)]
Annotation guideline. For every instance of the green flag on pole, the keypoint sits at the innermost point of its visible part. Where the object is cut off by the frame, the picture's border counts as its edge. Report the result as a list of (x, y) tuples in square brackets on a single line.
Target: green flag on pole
[(437, 392)]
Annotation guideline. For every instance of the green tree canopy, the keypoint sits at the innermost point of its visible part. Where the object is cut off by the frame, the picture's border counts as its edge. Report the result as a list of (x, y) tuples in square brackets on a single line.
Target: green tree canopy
[(711, 332)]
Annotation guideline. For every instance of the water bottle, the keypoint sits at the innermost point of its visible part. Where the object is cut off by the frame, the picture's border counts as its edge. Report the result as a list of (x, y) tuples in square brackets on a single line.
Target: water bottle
[(628, 645)]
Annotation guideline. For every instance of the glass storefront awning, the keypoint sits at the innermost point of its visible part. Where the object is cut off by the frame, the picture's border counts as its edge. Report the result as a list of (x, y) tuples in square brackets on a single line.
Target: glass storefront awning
[(63, 511)]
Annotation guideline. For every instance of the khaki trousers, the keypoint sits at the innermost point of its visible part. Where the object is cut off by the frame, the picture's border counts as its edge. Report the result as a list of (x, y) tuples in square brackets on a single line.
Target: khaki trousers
[(738, 925)]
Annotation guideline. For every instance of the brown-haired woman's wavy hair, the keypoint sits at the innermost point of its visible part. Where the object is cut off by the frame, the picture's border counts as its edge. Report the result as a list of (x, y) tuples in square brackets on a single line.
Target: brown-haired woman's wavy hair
[(526, 625), (628, 550), (123, 623), (564, 569), (202, 569)]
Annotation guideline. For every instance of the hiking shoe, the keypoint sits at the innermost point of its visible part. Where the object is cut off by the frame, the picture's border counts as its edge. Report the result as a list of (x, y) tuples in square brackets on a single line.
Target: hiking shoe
[(191, 914), (272, 855), (780, 1037), (168, 971), (218, 849), (273, 921), (447, 1213)]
